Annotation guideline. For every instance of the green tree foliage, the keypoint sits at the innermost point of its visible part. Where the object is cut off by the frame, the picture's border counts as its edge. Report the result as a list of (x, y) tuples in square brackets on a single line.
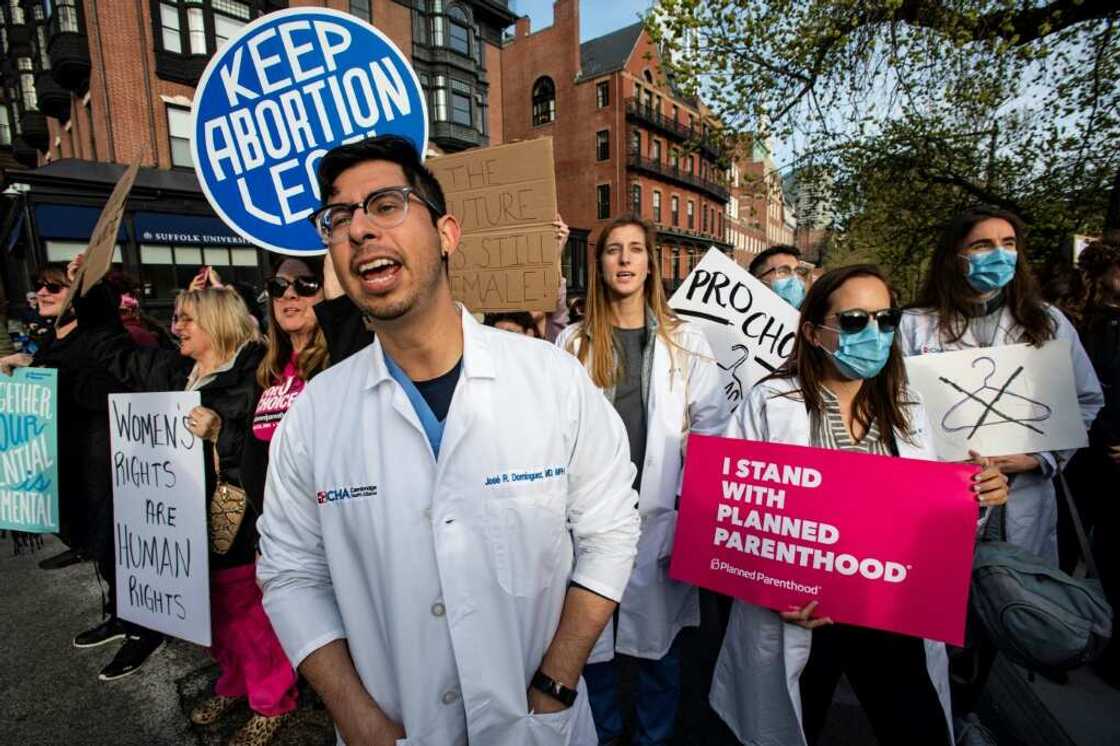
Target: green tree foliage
[(919, 107)]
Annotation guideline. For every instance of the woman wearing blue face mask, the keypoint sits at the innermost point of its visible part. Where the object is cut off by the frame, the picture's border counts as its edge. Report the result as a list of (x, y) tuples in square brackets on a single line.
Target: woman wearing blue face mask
[(980, 293), (843, 387)]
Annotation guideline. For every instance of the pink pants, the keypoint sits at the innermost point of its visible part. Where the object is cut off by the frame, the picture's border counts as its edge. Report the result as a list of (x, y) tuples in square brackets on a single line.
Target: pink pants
[(252, 662)]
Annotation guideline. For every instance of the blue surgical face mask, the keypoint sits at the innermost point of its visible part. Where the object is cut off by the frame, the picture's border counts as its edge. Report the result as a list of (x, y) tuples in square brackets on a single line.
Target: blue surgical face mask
[(991, 270), (862, 354), (790, 289)]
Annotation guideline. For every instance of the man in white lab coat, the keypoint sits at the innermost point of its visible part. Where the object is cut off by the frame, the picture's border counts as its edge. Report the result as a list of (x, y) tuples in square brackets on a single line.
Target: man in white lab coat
[(423, 495)]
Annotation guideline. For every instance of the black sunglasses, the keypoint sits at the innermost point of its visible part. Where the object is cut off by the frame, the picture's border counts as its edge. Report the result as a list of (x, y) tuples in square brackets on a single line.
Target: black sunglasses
[(52, 287), (855, 320), (305, 286)]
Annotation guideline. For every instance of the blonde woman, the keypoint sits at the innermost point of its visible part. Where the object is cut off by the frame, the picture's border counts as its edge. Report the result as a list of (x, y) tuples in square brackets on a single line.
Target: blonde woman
[(661, 376), (219, 356)]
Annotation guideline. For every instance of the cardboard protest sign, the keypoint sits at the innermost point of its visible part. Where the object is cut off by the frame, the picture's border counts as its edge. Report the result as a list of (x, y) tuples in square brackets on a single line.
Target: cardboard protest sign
[(99, 254), (750, 328), (160, 514), (505, 198), (1000, 400), (29, 450), (780, 526), (283, 91)]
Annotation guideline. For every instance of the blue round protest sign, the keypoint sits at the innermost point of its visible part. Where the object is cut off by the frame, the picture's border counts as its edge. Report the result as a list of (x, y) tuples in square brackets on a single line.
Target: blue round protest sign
[(289, 87)]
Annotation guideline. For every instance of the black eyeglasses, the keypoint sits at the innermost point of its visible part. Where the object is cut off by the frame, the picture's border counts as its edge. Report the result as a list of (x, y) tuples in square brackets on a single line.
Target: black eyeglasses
[(304, 285), (385, 208), (52, 287), (855, 319)]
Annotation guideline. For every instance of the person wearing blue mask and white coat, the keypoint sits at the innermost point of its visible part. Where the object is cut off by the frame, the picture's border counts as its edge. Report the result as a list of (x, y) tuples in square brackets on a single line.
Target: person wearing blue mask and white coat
[(843, 387), (780, 269), (979, 292), (660, 374)]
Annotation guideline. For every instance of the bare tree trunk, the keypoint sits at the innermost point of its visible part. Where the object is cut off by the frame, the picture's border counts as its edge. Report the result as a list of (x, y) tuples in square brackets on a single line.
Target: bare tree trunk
[(1112, 218)]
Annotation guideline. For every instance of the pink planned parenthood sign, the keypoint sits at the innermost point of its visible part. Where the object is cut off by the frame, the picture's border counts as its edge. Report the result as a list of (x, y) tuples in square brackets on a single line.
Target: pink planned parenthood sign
[(878, 541)]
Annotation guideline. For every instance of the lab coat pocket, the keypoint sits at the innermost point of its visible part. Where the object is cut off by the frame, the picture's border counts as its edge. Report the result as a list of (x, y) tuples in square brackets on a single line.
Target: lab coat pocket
[(655, 547), (526, 532)]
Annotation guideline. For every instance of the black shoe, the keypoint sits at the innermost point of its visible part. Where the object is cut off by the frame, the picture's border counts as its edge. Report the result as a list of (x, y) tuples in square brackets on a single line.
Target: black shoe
[(63, 559), (131, 656), (109, 630)]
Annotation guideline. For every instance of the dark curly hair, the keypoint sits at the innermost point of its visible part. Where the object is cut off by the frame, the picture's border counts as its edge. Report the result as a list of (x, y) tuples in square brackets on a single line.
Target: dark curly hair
[(1092, 265)]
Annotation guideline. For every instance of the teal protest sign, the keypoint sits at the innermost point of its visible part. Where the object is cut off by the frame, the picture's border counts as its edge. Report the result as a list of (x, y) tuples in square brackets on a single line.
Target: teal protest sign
[(29, 450)]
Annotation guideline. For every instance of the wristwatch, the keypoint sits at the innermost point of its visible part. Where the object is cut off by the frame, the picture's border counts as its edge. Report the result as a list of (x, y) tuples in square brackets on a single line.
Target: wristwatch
[(542, 682)]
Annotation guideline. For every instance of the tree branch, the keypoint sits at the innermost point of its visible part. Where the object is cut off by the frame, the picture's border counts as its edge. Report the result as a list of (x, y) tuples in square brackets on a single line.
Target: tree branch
[(1017, 26)]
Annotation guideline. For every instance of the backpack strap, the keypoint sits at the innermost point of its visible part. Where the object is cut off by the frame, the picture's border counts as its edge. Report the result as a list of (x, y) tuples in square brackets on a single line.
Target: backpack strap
[(1078, 527)]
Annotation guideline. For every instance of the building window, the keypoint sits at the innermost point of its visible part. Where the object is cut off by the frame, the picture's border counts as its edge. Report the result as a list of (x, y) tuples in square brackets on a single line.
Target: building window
[(439, 99), (603, 201), (647, 101), (461, 103), (169, 25), (691, 215), (636, 142), (164, 270), (458, 31), (675, 209), (603, 145), (175, 16), (5, 126), (603, 94), (636, 198), (676, 112), (544, 101), (655, 150), (656, 197), (179, 129), (360, 8), (674, 157), (27, 84), (704, 218)]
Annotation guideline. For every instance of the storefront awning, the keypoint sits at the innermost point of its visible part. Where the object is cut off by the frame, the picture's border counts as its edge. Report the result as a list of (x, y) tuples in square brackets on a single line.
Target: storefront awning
[(69, 222), (199, 230)]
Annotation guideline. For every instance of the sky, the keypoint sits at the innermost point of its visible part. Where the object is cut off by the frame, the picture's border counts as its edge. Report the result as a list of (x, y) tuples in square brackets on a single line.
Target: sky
[(596, 17)]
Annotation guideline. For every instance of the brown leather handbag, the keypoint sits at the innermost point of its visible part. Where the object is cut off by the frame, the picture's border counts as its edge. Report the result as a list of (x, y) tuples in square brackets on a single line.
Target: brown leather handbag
[(227, 510)]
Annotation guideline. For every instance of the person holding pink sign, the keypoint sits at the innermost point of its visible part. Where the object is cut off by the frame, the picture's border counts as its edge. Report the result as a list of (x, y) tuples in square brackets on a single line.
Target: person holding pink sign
[(660, 374), (843, 387)]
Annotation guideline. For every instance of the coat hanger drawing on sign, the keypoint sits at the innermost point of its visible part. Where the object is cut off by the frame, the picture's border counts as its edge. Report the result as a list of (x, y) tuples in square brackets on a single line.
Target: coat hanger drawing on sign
[(972, 412), (734, 387)]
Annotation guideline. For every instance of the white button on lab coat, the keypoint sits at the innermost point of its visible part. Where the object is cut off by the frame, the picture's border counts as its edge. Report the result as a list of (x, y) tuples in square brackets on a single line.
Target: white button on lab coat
[(756, 687), (684, 395), (1032, 508), (532, 455)]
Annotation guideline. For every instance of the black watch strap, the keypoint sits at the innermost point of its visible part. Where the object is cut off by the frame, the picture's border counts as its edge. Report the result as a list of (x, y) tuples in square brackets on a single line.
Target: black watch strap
[(544, 683)]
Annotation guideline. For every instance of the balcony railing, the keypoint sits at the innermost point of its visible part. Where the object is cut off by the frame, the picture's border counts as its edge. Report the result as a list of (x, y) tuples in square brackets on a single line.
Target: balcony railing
[(673, 173), (649, 115)]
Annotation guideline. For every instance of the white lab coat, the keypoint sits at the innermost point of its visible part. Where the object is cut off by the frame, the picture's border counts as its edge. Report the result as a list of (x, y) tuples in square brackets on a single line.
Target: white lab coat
[(684, 396), (448, 589), (1032, 508), (756, 687)]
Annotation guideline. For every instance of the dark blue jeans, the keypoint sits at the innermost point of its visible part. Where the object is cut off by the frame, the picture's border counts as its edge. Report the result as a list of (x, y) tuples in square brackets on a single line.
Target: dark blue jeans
[(655, 701)]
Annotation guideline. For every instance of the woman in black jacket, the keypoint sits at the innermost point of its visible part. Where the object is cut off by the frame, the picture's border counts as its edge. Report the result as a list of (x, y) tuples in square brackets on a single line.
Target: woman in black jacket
[(220, 352), (85, 487)]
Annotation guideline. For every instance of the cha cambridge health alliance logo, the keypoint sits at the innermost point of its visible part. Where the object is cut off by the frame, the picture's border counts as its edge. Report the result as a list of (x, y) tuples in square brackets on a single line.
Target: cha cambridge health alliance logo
[(341, 494), (281, 93)]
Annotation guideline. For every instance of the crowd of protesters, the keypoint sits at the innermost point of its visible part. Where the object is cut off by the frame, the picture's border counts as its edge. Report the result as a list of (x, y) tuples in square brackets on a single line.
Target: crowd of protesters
[(458, 602)]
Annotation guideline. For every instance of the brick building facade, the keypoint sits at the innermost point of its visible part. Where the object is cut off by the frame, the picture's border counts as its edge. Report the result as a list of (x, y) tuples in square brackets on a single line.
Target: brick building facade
[(87, 86), (624, 139), (764, 215)]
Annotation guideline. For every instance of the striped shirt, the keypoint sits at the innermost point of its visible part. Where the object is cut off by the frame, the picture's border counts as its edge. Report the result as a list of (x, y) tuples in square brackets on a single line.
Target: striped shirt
[(829, 431)]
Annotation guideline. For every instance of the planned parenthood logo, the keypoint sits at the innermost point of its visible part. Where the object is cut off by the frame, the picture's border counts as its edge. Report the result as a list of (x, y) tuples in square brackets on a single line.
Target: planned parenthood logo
[(288, 88)]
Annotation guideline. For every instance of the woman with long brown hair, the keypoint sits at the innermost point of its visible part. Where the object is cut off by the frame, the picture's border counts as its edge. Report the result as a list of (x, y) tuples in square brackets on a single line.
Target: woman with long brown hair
[(980, 292), (661, 376), (843, 387)]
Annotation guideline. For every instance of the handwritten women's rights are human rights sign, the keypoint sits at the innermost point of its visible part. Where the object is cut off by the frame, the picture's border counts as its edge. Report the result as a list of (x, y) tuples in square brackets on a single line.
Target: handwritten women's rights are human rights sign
[(878, 541)]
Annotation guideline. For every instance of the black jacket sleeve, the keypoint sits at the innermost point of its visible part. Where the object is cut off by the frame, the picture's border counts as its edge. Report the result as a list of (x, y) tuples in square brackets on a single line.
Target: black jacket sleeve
[(343, 327)]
